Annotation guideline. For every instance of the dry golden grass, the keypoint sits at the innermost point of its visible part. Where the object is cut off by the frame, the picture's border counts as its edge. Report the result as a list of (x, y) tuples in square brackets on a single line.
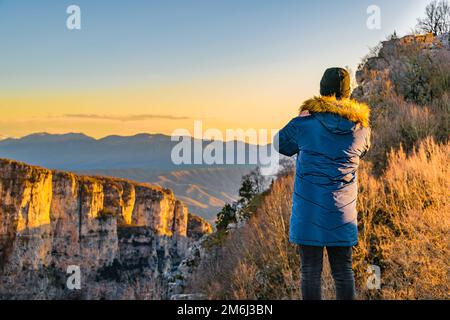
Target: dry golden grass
[(405, 224)]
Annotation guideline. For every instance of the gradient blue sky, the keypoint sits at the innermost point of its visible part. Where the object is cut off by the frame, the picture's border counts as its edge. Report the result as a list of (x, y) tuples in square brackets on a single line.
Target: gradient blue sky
[(234, 63)]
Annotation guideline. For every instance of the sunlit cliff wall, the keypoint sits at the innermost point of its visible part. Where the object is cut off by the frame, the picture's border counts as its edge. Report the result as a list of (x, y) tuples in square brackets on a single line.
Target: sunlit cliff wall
[(125, 236)]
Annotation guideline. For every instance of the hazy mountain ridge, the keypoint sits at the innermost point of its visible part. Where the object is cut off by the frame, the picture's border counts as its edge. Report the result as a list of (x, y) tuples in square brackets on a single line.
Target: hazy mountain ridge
[(142, 157), (77, 151)]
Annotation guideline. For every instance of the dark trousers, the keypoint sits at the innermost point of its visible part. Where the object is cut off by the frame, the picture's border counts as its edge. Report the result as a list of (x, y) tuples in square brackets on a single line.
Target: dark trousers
[(340, 259)]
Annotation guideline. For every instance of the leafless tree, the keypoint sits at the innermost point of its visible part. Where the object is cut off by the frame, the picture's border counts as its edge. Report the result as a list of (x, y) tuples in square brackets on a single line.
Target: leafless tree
[(437, 18)]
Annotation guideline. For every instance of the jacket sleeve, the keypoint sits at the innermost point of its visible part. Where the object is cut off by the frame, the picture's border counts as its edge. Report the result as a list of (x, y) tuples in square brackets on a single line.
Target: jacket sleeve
[(368, 143), (285, 141)]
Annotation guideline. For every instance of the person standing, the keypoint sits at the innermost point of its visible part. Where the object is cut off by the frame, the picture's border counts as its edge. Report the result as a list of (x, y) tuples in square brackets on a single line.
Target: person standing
[(329, 137)]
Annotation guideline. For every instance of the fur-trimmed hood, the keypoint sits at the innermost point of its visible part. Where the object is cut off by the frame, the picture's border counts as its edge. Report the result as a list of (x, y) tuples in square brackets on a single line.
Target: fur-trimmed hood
[(349, 109)]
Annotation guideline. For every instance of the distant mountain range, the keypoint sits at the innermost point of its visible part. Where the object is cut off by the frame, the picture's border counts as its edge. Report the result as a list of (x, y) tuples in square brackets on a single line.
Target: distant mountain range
[(143, 157), (76, 151)]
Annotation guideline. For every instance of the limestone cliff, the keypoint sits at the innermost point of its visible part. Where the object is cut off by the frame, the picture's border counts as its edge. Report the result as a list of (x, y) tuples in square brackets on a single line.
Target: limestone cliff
[(125, 237)]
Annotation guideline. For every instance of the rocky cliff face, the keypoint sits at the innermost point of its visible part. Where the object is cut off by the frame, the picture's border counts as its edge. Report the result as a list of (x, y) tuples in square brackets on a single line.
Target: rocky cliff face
[(394, 66), (125, 238)]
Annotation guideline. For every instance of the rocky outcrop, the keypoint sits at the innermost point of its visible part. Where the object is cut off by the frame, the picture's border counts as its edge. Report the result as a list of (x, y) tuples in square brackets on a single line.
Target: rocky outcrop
[(394, 62), (184, 273), (197, 227), (124, 237)]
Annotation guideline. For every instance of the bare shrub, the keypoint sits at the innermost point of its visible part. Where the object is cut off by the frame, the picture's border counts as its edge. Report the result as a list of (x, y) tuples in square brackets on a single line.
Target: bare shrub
[(397, 122), (437, 18)]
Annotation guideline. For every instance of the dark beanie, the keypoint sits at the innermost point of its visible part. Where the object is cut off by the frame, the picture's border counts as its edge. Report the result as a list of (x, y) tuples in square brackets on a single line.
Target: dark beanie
[(336, 82)]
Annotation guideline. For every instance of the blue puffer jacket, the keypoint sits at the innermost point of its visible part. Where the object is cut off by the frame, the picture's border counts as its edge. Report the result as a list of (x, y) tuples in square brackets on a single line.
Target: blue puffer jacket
[(329, 144)]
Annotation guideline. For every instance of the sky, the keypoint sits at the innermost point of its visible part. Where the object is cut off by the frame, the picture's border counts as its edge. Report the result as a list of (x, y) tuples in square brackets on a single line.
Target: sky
[(154, 66)]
